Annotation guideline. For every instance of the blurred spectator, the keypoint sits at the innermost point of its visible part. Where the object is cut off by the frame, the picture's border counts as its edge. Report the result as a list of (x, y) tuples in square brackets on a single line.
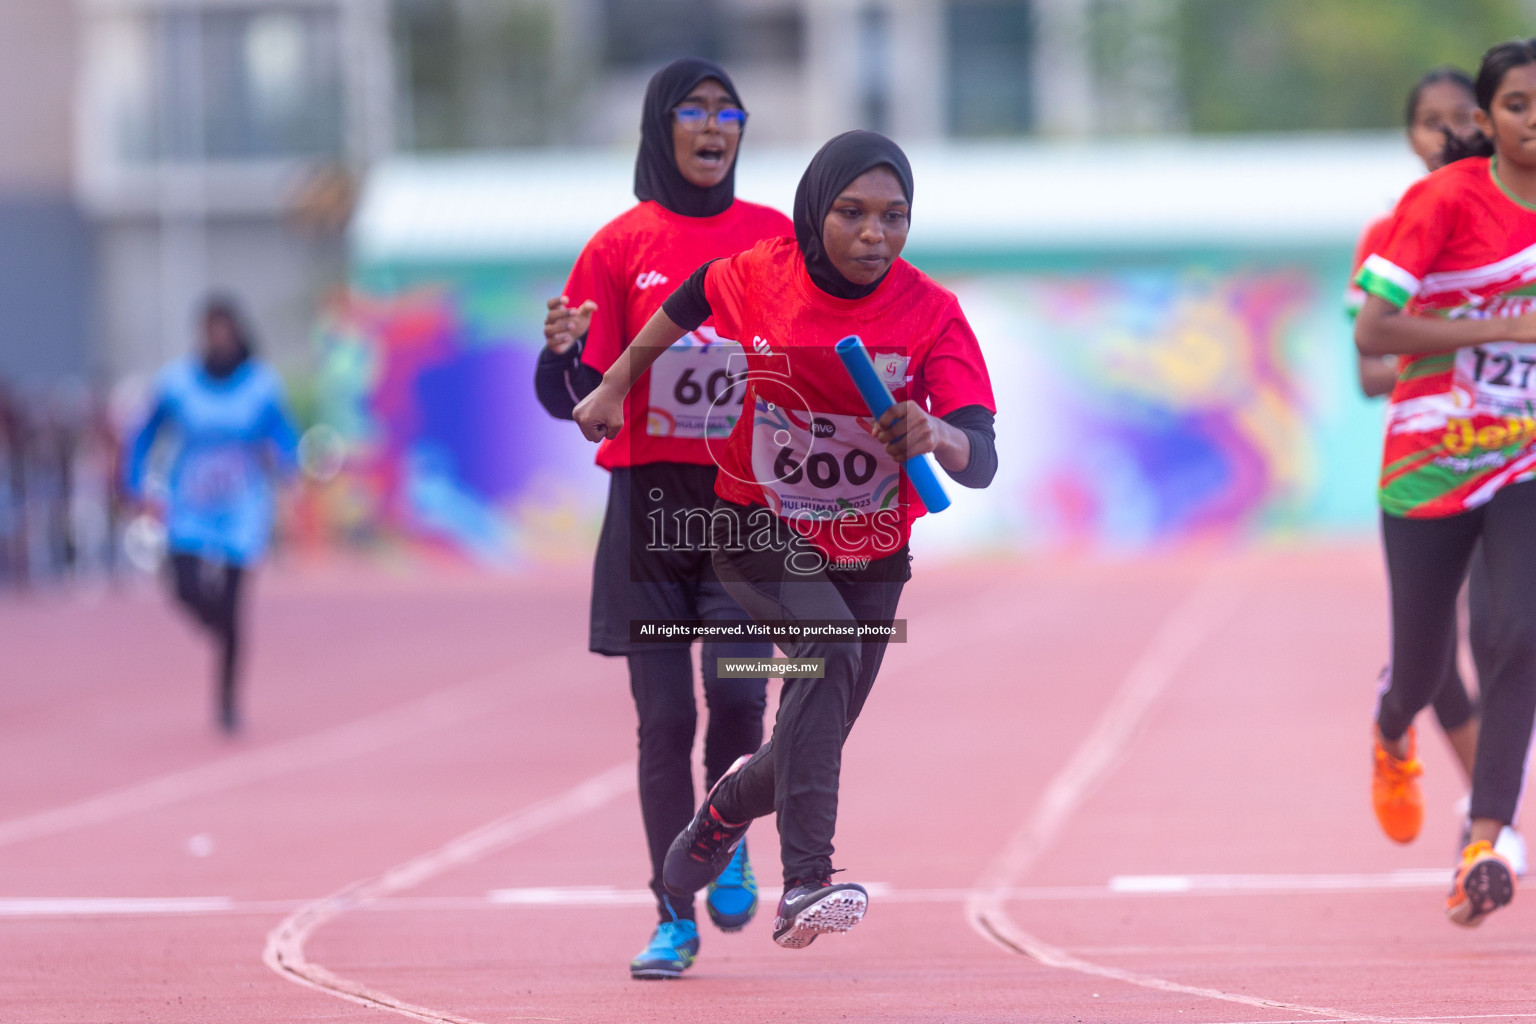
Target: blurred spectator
[(13, 491), (59, 506)]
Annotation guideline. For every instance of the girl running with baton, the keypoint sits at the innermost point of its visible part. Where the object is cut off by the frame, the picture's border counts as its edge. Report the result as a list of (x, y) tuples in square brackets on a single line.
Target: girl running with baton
[(814, 510)]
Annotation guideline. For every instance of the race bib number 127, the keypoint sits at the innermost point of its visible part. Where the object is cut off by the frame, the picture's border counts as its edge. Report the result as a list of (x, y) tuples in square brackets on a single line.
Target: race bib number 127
[(1500, 377)]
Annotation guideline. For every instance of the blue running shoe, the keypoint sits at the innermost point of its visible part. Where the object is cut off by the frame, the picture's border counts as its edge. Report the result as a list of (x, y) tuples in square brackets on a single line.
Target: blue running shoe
[(671, 951), (733, 895)]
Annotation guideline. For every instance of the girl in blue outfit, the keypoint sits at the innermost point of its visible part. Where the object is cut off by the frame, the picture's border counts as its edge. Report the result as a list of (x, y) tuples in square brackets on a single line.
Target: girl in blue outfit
[(222, 416)]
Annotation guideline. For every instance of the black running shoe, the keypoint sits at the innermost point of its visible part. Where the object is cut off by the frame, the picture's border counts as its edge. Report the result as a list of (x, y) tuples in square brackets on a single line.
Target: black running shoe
[(703, 849), (811, 908)]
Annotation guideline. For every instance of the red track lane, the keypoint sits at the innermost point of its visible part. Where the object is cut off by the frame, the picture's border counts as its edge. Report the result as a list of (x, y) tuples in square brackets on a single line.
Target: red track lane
[(434, 727)]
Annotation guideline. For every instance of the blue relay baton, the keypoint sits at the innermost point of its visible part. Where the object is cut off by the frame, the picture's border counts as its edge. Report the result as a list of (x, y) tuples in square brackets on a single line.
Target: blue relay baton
[(877, 396)]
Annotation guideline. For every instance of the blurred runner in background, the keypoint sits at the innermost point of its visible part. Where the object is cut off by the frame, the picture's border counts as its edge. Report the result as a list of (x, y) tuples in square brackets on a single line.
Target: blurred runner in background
[(221, 414)]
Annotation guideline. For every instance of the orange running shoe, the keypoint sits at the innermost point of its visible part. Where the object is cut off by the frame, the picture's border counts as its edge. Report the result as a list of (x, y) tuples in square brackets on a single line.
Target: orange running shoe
[(1483, 884), (1395, 791)]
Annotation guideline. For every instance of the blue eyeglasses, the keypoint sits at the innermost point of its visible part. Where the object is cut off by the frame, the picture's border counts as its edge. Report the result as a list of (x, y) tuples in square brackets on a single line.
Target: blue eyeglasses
[(693, 118)]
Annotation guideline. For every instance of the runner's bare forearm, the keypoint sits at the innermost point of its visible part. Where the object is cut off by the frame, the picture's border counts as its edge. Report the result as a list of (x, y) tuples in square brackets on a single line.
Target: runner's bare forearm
[(1383, 329), (658, 335)]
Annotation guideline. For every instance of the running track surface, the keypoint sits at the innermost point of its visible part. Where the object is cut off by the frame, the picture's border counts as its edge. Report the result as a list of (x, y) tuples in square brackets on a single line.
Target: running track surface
[(1084, 791)]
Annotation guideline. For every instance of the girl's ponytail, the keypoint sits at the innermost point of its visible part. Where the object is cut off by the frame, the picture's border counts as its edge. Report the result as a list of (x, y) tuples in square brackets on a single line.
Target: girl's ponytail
[(1459, 147)]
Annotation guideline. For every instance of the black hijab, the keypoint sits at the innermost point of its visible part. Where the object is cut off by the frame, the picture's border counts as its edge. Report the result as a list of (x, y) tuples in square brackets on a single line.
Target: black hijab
[(223, 308), (656, 173), (832, 168)]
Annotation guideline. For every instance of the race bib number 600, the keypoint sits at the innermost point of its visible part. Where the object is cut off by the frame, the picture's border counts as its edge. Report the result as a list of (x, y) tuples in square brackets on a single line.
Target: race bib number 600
[(693, 392), (820, 464)]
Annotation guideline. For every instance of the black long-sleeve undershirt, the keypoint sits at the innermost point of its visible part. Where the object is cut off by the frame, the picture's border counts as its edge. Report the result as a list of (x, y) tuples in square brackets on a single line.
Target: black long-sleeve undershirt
[(688, 307), (976, 423), (561, 379)]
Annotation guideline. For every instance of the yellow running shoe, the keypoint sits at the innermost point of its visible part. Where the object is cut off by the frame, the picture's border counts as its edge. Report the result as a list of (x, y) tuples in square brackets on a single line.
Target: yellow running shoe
[(1395, 791), (1483, 884)]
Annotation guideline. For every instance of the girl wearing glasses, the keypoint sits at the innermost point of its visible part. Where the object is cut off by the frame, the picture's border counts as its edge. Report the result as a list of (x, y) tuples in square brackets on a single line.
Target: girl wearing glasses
[(652, 562), (814, 512)]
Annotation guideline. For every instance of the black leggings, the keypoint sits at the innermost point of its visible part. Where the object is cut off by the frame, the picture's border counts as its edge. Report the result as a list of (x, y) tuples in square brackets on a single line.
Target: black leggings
[(661, 681), (1453, 706), (1426, 561), (795, 774), (210, 592)]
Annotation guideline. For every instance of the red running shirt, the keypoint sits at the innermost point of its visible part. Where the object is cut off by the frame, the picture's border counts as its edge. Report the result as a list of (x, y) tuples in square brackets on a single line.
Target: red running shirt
[(1461, 424), (629, 268), (1374, 234), (804, 450)]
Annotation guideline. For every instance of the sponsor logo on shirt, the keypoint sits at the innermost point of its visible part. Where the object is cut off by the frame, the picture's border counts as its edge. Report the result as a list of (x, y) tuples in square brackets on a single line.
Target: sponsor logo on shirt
[(822, 427), (1461, 439), (760, 346), (649, 278)]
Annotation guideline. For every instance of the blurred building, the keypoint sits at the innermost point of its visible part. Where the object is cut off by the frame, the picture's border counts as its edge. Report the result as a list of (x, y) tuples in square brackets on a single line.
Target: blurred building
[(45, 242), (151, 150), (496, 73), (217, 143)]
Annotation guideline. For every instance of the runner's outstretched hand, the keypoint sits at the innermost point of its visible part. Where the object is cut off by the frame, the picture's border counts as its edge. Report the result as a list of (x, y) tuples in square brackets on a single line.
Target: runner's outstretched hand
[(563, 325)]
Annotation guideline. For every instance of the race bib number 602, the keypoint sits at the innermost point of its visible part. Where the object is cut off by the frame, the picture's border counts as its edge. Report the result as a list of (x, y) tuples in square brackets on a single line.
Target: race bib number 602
[(693, 392)]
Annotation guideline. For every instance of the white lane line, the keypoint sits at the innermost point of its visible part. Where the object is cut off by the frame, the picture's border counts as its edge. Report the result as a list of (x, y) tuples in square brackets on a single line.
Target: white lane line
[(608, 896), (1406, 878), (1118, 886), (441, 709), (284, 952), (1446, 1017), (573, 896), (1179, 636), (569, 897), (93, 906)]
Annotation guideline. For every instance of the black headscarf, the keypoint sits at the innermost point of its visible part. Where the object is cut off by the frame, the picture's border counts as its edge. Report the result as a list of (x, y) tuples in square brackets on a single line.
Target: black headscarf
[(221, 307), (832, 168), (656, 173)]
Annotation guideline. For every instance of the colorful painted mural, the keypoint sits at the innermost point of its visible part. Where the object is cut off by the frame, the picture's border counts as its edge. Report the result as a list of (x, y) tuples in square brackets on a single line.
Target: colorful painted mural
[(444, 442), (1142, 403)]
